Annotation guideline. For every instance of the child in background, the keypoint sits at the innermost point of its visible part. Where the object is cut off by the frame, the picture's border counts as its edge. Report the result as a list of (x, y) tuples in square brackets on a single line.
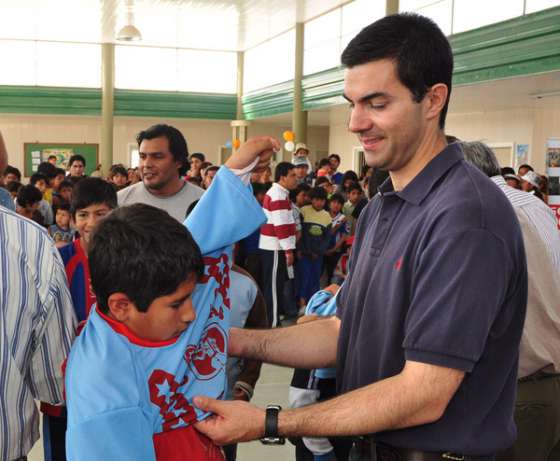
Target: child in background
[(27, 203), (158, 336), (339, 232), (118, 176), (341, 269), (40, 181), (13, 188), (354, 194), (64, 193), (301, 153), (324, 169), (93, 199), (61, 232), (315, 237), (326, 184)]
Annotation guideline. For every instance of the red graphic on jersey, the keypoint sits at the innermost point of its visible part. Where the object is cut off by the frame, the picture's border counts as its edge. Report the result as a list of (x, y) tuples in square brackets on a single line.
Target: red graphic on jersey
[(173, 406), (218, 269), (398, 264), (207, 358)]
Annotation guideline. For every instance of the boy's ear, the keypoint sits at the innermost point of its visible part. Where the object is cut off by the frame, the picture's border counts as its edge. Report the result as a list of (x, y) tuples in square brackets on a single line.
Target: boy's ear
[(120, 306)]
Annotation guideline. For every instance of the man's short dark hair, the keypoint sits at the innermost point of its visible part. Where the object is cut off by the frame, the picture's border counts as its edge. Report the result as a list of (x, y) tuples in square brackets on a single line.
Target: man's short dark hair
[(91, 191), (318, 193), (199, 155), (36, 177), (177, 143), (51, 157), (282, 170), (354, 186), (420, 50), (118, 169), (337, 198), (13, 170), (28, 195), (48, 169), (335, 156), (129, 254), (76, 158)]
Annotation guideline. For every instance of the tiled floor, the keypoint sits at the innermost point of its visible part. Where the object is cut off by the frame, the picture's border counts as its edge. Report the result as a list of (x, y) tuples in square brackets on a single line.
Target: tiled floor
[(271, 388)]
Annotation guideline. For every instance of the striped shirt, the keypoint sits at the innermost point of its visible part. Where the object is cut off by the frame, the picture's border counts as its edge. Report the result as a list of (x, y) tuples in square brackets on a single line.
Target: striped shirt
[(36, 329), (279, 232), (538, 214)]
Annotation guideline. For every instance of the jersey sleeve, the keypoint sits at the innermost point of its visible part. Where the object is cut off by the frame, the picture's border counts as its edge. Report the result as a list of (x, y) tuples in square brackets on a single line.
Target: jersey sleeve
[(226, 213), (123, 435)]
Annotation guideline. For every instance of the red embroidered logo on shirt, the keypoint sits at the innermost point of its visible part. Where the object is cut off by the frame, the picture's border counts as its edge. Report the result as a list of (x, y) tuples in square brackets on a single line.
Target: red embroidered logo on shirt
[(207, 358), (398, 264)]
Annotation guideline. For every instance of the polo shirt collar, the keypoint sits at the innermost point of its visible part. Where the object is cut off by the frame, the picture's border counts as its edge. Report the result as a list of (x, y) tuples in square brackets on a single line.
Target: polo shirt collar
[(422, 184)]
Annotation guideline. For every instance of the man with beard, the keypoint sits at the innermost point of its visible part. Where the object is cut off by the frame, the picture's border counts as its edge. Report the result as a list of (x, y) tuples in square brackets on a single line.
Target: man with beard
[(163, 156)]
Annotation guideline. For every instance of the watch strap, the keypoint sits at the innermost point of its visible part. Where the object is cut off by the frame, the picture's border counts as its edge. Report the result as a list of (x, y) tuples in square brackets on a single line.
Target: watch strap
[(271, 421)]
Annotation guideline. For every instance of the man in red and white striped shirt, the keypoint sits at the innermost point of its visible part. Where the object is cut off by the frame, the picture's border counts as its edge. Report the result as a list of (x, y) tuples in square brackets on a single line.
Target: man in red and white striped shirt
[(278, 238)]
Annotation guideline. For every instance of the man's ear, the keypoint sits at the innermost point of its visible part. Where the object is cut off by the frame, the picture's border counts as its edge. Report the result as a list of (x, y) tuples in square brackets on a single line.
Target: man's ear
[(120, 306), (436, 99)]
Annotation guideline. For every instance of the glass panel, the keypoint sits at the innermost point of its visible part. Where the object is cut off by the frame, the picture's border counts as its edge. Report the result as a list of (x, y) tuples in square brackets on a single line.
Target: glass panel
[(471, 14), (536, 5), (359, 14), (16, 20), (68, 20), (440, 13), (68, 64), (270, 63), (323, 29), (207, 71), (325, 56), (21, 56), (145, 68), (413, 5)]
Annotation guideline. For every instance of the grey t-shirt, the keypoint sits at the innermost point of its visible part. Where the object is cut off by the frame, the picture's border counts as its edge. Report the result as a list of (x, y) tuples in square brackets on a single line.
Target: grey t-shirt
[(176, 205)]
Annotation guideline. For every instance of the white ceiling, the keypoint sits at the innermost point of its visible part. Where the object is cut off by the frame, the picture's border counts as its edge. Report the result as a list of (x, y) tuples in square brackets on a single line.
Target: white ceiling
[(206, 24)]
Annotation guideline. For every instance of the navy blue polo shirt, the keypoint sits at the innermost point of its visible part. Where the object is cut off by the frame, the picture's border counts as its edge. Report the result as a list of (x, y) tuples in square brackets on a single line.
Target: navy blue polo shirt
[(438, 276)]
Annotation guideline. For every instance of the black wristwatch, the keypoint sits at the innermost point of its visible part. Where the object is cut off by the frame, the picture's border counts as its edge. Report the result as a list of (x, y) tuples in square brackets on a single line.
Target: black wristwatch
[(271, 436)]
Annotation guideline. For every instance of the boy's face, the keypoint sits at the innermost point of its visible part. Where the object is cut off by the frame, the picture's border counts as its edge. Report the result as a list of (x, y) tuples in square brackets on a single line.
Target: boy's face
[(10, 177), (301, 153), (41, 185), (302, 199), (167, 317), (85, 219), (335, 206), (301, 171), (354, 196), (63, 219), (28, 210), (119, 179), (55, 182), (66, 194), (318, 203)]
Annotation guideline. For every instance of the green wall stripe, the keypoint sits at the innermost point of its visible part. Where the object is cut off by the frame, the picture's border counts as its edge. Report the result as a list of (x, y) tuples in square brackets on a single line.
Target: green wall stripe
[(272, 100)]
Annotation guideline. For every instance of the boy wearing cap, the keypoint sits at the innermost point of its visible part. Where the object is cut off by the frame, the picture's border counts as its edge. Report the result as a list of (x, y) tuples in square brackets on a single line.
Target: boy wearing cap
[(302, 152), (531, 182)]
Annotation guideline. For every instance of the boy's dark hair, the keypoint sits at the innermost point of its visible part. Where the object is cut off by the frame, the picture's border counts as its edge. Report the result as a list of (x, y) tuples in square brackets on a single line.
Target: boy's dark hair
[(199, 155), (90, 191), (59, 171), (354, 186), (420, 50), (322, 180), (335, 156), (51, 156), (177, 143), (300, 188), (13, 170), (14, 186), (212, 168), (282, 169), (65, 184), (529, 167), (337, 198), (318, 193), (129, 253), (36, 177), (507, 170), (48, 169), (324, 162), (62, 207), (28, 195), (76, 158), (350, 174), (118, 169)]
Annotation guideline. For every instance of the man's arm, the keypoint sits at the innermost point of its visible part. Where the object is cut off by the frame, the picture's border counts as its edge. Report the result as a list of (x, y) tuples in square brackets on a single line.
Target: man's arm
[(418, 395), (312, 345)]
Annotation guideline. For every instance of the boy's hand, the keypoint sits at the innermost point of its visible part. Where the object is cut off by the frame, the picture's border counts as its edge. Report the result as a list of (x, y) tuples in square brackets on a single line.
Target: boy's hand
[(262, 148)]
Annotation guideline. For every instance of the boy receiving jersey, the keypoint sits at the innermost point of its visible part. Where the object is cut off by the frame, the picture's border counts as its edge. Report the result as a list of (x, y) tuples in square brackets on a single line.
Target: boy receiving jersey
[(158, 335)]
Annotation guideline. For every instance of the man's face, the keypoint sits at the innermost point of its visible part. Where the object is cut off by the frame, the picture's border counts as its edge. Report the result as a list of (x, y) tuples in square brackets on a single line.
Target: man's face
[(196, 163), (52, 160), (354, 196), (10, 177), (290, 180), (209, 177), (388, 123), (157, 166), (301, 171), (334, 163), (85, 219), (77, 168), (167, 316), (119, 179)]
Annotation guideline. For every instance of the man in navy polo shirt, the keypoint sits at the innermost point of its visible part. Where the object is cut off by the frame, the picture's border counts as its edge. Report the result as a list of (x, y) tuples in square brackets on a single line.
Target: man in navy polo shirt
[(430, 317)]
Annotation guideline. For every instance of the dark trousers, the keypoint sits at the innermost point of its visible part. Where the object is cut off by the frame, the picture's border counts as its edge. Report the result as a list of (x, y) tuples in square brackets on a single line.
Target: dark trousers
[(537, 416), (273, 277), (54, 437), (309, 275)]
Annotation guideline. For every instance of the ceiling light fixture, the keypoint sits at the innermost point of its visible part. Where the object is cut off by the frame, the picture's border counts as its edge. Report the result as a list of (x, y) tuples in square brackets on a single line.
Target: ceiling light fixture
[(129, 33)]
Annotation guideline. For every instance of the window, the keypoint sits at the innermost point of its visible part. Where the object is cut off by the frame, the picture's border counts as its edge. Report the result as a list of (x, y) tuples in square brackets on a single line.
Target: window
[(536, 5), (471, 14)]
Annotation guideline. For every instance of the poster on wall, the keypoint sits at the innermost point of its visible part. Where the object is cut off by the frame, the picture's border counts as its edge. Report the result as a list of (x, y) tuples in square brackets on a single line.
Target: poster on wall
[(521, 155), (553, 173), (35, 153)]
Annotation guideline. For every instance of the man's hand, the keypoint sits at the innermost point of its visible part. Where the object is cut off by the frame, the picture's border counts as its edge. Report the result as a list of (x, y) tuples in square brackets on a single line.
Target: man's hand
[(262, 147), (233, 421), (289, 258)]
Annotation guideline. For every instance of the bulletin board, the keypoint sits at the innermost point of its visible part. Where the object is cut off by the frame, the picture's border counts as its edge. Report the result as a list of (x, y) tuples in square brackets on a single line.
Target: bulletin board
[(34, 153)]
